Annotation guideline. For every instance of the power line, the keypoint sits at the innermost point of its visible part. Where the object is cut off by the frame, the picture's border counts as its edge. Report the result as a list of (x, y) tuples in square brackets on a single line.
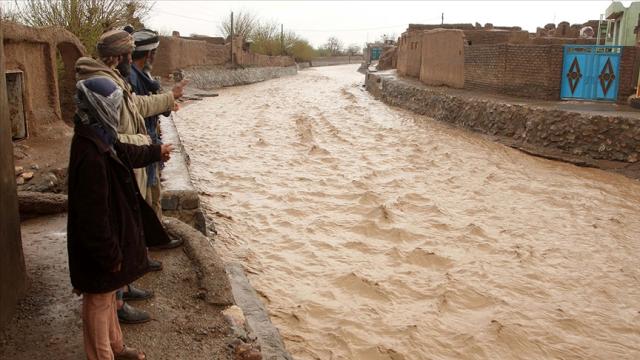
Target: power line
[(187, 17), (363, 29)]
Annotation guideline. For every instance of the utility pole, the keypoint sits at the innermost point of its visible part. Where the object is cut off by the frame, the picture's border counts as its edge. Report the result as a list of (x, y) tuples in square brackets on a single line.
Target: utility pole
[(442, 19), (282, 39), (231, 38)]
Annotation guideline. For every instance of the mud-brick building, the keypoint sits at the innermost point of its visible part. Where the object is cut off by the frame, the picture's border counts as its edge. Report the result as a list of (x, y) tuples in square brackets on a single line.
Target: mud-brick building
[(513, 62), (35, 95), (40, 76), (12, 268)]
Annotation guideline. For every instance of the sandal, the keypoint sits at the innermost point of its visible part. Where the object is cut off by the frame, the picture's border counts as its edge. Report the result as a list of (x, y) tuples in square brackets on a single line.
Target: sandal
[(128, 353)]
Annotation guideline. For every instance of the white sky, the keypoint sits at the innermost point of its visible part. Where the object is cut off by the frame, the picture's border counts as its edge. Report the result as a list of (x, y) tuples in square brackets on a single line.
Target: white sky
[(356, 22)]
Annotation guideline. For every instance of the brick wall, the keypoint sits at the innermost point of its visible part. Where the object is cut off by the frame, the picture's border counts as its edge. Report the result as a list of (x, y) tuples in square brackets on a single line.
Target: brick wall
[(484, 67), (532, 71), (628, 73)]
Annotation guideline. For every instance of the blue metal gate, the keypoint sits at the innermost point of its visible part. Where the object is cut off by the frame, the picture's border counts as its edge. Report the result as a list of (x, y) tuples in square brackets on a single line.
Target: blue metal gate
[(590, 72), (375, 53)]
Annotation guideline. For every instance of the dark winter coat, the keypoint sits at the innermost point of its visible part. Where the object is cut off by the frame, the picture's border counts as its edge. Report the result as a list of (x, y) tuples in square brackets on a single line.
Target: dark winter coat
[(109, 222)]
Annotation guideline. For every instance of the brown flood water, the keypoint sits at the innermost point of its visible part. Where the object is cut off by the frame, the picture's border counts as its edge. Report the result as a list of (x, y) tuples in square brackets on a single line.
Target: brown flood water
[(374, 233)]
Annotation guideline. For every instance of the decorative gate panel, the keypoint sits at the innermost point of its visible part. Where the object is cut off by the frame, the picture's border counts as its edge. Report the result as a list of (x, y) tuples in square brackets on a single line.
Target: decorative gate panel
[(590, 72)]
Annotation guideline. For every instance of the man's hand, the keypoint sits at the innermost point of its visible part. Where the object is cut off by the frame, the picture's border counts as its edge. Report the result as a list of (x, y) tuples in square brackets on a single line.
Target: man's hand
[(165, 152), (176, 107), (178, 90)]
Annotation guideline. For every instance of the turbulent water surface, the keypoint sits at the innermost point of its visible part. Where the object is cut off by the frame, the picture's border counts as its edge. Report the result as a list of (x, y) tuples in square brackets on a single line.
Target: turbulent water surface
[(374, 233)]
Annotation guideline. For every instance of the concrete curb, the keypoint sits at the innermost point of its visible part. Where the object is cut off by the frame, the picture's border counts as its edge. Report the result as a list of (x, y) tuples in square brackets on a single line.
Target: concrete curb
[(179, 197), (211, 274), (258, 322)]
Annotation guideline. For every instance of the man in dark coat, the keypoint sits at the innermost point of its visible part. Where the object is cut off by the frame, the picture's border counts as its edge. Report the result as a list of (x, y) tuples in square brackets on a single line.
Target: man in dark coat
[(109, 223)]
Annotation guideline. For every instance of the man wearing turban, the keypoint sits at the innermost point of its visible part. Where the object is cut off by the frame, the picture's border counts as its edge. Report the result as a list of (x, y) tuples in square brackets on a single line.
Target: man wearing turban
[(114, 62)]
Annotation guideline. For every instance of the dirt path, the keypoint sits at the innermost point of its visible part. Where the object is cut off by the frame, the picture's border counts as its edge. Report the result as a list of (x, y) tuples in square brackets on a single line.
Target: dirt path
[(48, 324), (373, 233)]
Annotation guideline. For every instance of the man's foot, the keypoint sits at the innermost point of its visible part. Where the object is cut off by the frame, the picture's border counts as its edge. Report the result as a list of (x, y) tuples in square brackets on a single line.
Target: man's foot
[(174, 243), (130, 315), (134, 294), (128, 353), (155, 265)]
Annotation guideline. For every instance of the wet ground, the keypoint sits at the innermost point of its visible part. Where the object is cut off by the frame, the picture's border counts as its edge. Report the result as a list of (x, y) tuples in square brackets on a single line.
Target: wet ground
[(47, 324), (374, 233)]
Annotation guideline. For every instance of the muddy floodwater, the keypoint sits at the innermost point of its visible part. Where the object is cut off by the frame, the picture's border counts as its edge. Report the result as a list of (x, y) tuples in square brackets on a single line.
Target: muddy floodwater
[(374, 233)]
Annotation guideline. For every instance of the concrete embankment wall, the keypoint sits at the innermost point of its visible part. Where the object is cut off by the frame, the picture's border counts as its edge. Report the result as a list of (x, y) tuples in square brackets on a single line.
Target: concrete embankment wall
[(611, 137), (336, 60), (213, 78)]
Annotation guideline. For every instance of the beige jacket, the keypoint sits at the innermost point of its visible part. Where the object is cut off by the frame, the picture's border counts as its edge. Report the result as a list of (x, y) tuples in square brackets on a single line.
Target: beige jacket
[(135, 108)]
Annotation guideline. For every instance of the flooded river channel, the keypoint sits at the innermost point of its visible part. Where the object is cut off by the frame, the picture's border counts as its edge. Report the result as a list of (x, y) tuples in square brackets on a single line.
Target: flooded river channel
[(374, 233)]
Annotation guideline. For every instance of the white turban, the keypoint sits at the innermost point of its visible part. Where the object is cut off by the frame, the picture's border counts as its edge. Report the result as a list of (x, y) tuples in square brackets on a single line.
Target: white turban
[(146, 40)]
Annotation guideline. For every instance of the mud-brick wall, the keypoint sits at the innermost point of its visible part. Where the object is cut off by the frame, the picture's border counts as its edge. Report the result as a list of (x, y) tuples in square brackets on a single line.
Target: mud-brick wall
[(443, 58), (410, 54), (12, 267), (179, 53), (34, 51), (532, 71), (628, 73)]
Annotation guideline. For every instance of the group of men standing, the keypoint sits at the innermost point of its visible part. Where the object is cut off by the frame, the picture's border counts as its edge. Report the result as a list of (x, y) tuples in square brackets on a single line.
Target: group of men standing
[(114, 185)]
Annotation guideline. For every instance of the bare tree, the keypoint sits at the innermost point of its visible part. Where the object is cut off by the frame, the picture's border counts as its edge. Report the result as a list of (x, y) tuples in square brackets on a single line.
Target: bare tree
[(87, 19), (7, 14), (354, 49), (334, 46), (266, 38), (244, 24)]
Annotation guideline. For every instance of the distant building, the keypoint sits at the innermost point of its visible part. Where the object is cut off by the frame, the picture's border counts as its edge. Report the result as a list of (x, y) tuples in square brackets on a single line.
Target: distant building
[(621, 24), (373, 51)]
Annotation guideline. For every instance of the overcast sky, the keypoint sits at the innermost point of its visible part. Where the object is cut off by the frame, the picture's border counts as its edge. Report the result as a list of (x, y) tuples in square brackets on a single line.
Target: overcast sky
[(356, 22)]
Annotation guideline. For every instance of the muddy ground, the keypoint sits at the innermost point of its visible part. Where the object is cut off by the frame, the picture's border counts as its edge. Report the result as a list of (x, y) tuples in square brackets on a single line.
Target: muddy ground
[(47, 324)]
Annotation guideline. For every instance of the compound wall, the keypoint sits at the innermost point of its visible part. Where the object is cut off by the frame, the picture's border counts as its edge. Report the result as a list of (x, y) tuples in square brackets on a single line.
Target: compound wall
[(179, 53), (443, 58)]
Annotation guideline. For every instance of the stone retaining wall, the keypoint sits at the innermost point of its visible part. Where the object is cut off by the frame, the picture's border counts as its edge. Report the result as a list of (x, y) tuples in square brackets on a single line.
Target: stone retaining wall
[(213, 78), (614, 137)]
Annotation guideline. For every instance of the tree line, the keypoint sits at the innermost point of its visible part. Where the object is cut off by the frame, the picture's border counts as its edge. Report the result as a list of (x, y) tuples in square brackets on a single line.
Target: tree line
[(267, 38)]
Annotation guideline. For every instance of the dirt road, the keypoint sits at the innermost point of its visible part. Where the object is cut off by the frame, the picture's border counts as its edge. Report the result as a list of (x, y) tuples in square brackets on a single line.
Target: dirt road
[(374, 233)]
